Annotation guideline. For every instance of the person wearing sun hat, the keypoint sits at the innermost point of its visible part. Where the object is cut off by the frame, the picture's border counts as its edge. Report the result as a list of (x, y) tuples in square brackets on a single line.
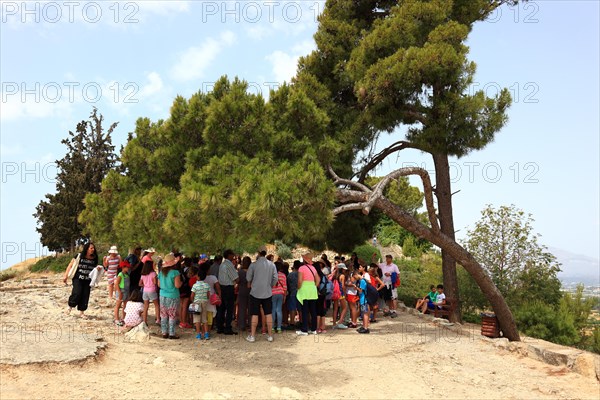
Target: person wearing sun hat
[(308, 279), (169, 282), (111, 266), (147, 254)]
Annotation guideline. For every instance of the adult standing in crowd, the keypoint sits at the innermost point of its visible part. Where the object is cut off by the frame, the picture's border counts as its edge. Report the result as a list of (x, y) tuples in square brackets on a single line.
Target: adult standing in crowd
[(135, 271), (307, 295), (261, 277), (228, 277), (169, 282), (80, 294), (389, 292), (243, 295)]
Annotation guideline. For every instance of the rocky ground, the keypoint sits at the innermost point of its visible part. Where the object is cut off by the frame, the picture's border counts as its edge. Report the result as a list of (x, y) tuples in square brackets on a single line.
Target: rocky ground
[(47, 354)]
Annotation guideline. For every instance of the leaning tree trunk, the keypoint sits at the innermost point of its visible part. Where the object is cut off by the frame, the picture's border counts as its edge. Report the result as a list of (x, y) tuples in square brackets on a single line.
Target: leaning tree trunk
[(443, 192), (362, 199)]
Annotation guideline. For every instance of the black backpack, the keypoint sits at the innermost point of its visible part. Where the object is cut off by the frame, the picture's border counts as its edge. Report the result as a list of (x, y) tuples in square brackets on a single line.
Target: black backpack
[(371, 294)]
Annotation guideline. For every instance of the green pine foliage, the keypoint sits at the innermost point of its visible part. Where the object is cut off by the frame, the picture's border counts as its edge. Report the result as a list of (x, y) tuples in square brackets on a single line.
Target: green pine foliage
[(90, 156), (365, 252), (57, 263)]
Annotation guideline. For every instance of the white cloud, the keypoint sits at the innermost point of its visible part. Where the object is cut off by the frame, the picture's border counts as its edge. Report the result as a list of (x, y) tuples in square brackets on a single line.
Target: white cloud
[(194, 61), (7, 150), (164, 7), (154, 85), (285, 64)]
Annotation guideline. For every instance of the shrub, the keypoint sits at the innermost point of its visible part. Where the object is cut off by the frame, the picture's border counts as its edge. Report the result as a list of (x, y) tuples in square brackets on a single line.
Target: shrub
[(365, 251), (283, 250), (540, 320), (416, 275), (57, 263), (409, 248)]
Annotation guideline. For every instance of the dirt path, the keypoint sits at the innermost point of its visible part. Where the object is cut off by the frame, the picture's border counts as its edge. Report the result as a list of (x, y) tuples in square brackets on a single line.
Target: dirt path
[(401, 358)]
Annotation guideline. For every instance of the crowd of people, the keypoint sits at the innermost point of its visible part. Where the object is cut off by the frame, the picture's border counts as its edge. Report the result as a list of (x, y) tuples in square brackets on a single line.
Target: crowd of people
[(261, 295)]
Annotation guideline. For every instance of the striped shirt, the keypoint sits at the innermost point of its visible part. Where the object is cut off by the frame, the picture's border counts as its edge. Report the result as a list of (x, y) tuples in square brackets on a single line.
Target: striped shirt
[(112, 267), (281, 285), (227, 273), (200, 290)]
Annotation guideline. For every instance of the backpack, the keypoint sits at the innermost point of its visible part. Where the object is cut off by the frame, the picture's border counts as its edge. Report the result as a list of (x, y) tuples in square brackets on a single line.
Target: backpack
[(372, 295), (322, 289), (329, 290), (337, 293)]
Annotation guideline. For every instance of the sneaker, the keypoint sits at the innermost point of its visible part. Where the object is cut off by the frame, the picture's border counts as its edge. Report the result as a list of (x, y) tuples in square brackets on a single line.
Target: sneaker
[(278, 330), (199, 336), (341, 326), (300, 333), (269, 338), (386, 313), (119, 323), (363, 330), (312, 332), (250, 339), (206, 336), (393, 315)]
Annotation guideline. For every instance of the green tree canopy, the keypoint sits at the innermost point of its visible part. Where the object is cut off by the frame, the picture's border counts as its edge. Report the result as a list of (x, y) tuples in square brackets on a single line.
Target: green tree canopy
[(90, 156)]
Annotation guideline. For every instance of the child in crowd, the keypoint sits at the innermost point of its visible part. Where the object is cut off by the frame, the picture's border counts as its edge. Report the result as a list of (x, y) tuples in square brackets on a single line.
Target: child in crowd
[(377, 282), (279, 291), (440, 300), (292, 285), (429, 296), (199, 296), (352, 297), (340, 306), (134, 310), (122, 292), (148, 283), (364, 306)]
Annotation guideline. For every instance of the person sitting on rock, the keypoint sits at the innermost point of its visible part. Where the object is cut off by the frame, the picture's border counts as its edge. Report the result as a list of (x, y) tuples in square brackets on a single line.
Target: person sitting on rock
[(440, 300), (430, 296)]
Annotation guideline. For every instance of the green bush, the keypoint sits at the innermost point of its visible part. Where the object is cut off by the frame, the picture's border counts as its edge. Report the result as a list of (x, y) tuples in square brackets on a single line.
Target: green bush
[(409, 248), (416, 275), (540, 320), (365, 252), (52, 263), (283, 250)]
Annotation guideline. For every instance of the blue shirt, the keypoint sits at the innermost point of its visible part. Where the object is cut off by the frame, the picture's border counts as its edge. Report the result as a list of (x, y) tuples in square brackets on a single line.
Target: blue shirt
[(167, 284), (363, 293)]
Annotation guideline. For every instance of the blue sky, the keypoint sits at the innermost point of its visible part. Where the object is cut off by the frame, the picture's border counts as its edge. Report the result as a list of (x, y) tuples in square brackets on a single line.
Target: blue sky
[(130, 59)]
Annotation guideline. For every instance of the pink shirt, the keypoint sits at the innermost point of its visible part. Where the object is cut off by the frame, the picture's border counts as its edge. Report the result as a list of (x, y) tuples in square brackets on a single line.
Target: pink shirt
[(308, 272), (148, 282), (146, 258)]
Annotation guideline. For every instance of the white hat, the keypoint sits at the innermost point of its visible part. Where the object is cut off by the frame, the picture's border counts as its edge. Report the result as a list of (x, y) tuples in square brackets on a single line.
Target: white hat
[(150, 250), (342, 266), (113, 250)]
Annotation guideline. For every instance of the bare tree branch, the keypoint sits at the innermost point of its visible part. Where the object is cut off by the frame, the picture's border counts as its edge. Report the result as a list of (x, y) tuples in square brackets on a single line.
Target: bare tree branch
[(382, 155), (349, 182)]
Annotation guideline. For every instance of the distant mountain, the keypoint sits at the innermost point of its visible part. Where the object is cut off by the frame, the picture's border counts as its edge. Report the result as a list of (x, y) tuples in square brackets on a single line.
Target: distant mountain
[(577, 268)]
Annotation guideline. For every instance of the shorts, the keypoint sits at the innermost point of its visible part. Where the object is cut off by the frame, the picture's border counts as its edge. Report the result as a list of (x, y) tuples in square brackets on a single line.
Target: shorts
[(430, 305), (386, 293), (394, 293), (202, 316), (254, 305), (352, 298), (364, 308), (125, 295), (149, 296), (292, 302)]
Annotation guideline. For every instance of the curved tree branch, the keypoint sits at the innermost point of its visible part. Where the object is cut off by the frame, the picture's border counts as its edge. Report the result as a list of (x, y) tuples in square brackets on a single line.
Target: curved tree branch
[(427, 190), (349, 182), (382, 155), (410, 223)]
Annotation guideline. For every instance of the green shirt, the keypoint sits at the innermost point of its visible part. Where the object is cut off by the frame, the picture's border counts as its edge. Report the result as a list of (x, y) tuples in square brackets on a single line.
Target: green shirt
[(124, 280), (433, 296)]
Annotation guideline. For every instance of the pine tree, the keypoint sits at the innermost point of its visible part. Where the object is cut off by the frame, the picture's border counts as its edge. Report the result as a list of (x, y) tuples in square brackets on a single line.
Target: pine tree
[(90, 155)]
